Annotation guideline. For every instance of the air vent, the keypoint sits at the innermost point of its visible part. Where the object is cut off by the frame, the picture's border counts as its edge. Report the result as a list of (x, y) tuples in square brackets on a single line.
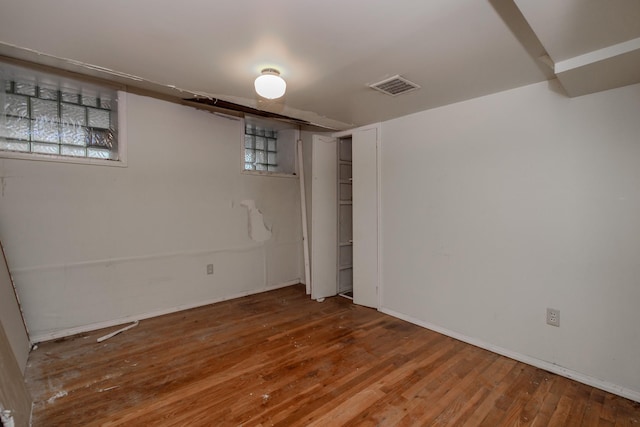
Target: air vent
[(395, 85)]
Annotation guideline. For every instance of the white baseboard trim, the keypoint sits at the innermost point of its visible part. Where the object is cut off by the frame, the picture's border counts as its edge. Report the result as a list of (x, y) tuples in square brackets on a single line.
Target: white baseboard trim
[(538, 363), (35, 339)]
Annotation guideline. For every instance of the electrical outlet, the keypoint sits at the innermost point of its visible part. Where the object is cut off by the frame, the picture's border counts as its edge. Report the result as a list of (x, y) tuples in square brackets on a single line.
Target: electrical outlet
[(553, 317), (209, 268)]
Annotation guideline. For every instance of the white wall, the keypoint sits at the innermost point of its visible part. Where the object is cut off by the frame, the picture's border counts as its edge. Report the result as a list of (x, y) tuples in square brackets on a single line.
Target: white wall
[(14, 395), (496, 208), (93, 244), (11, 319), (14, 351), (307, 148)]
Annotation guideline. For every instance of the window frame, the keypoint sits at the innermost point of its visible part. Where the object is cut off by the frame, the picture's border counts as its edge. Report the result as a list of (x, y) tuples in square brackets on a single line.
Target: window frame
[(121, 161), (268, 137), (264, 122)]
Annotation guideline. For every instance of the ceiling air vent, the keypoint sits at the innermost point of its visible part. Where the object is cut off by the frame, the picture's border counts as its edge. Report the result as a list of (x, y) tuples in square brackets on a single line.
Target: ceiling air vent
[(395, 85)]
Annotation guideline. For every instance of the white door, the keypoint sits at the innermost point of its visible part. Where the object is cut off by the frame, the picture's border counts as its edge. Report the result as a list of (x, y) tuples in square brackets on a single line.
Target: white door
[(324, 227), (365, 217)]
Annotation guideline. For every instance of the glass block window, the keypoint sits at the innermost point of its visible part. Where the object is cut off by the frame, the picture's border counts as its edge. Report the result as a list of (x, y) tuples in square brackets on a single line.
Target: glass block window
[(260, 148), (55, 120)]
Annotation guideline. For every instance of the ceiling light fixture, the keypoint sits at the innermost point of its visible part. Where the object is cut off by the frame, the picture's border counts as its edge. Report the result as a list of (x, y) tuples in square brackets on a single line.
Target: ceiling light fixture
[(269, 84)]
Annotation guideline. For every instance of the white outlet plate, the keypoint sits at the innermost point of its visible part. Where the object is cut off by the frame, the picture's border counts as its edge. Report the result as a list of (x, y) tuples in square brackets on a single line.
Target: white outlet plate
[(209, 268), (553, 317)]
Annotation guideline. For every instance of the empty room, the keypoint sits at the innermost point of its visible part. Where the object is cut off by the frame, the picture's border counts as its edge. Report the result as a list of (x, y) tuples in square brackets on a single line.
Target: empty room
[(297, 213)]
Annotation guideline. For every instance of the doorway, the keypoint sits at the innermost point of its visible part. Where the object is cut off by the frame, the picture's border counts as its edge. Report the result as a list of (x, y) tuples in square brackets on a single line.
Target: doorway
[(345, 218)]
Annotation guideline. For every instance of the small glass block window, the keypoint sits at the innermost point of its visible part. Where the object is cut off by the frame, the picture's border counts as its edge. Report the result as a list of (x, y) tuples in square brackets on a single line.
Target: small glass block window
[(98, 154), (14, 146), (74, 135), (99, 118), (74, 114), (106, 103), (74, 151), (16, 106), (260, 148), (45, 148), (44, 110), (73, 98), (46, 93), (90, 101), (58, 121), (15, 128), (45, 131), (25, 88)]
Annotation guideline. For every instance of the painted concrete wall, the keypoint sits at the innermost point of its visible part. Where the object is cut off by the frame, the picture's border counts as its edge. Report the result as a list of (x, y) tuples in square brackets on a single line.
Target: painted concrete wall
[(496, 208), (11, 319), (94, 245)]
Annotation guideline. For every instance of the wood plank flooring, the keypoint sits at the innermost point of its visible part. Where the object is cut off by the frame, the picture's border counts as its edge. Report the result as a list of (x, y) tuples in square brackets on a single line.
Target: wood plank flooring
[(279, 358)]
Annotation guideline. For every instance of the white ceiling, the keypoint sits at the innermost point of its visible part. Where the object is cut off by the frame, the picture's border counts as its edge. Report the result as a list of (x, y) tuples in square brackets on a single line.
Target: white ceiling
[(328, 51), (594, 44)]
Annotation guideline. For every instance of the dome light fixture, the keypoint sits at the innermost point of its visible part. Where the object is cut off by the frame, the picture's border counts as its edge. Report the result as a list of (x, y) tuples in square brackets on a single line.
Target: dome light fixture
[(269, 84)]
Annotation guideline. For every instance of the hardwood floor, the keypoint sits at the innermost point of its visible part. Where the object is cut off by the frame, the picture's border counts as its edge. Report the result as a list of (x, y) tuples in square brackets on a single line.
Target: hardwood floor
[(278, 358)]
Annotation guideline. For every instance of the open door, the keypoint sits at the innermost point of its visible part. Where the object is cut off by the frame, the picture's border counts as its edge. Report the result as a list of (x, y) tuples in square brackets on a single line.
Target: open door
[(365, 217), (324, 232)]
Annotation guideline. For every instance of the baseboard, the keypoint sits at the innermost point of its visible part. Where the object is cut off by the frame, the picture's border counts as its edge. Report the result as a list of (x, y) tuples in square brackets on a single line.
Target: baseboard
[(538, 363), (115, 322)]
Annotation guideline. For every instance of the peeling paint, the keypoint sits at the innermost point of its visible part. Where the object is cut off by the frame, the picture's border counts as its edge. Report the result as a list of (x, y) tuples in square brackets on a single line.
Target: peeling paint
[(258, 231)]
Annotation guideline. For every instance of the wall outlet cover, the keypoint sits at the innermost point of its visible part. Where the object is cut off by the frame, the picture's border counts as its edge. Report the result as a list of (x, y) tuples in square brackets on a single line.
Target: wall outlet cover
[(553, 317)]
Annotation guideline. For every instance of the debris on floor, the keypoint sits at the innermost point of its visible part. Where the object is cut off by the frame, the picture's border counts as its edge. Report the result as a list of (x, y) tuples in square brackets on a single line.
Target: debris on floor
[(56, 396), (113, 334)]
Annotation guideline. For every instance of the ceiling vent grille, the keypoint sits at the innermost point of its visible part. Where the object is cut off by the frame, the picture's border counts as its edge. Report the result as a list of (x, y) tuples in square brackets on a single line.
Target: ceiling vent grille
[(394, 86)]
